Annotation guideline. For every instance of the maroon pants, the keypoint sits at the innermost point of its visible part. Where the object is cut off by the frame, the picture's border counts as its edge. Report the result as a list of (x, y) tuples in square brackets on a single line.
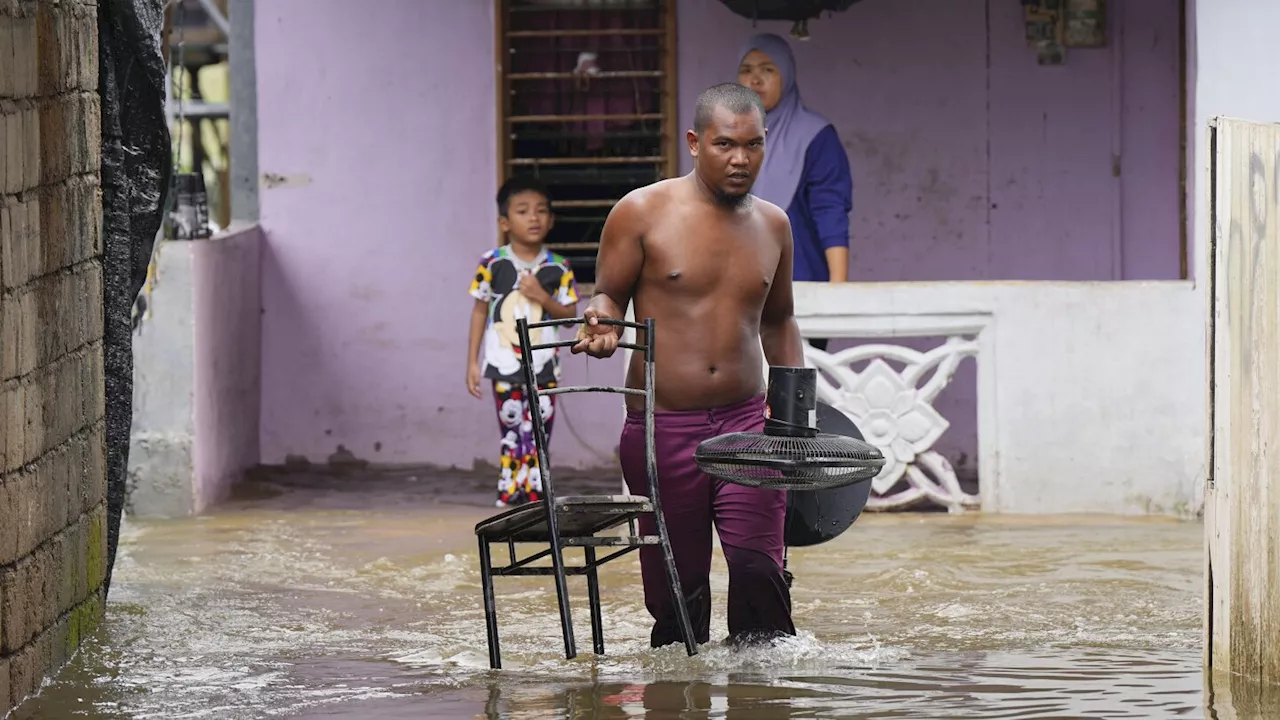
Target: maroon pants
[(749, 521)]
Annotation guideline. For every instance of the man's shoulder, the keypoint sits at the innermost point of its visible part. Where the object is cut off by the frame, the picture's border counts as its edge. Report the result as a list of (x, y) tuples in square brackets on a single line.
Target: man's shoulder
[(634, 211), (775, 216), (646, 196)]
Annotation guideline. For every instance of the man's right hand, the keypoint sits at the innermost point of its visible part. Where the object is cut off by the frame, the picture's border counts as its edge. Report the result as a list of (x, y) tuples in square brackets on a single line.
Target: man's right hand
[(594, 338)]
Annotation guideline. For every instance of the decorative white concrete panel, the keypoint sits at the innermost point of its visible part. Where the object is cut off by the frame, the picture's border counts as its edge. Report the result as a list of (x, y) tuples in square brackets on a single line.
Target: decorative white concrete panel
[(1074, 415), (894, 410)]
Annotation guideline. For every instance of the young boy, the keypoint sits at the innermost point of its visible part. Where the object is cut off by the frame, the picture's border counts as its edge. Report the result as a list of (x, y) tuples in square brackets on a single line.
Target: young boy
[(521, 279)]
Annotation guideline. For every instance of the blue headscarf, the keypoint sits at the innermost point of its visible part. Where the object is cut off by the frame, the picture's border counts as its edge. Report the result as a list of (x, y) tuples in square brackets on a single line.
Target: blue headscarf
[(791, 125)]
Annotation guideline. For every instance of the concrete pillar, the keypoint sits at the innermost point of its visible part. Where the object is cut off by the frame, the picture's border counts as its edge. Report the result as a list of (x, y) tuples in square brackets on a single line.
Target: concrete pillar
[(1242, 498), (52, 447), (196, 374), (244, 111), (162, 438)]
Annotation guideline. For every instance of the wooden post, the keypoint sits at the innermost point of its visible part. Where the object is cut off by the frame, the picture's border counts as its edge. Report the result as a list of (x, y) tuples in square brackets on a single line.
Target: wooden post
[(673, 135), (1242, 495), (502, 97)]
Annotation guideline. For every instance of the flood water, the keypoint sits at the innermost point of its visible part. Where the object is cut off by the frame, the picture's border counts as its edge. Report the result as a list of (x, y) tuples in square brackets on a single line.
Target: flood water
[(360, 598)]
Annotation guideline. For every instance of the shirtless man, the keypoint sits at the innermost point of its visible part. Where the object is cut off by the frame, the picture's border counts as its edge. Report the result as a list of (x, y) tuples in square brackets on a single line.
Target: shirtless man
[(712, 265)]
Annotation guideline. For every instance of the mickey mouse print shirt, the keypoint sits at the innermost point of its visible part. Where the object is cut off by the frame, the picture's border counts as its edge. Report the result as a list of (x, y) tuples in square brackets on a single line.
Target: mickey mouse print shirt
[(497, 283)]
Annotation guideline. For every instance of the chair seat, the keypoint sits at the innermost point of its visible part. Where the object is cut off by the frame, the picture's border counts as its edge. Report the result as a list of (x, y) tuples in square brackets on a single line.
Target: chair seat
[(576, 516)]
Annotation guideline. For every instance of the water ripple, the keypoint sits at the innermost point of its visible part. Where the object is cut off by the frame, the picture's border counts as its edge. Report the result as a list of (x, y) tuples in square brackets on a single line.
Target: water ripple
[(369, 607)]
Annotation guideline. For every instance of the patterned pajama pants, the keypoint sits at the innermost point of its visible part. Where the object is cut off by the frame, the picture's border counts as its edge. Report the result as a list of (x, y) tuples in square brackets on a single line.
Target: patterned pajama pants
[(519, 479)]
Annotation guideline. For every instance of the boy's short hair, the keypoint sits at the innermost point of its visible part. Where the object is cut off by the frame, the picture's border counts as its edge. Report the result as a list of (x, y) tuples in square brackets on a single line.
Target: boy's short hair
[(517, 185)]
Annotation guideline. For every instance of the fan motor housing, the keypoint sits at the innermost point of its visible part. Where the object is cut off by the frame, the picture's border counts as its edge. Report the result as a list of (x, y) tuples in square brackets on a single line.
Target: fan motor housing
[(791, 406)]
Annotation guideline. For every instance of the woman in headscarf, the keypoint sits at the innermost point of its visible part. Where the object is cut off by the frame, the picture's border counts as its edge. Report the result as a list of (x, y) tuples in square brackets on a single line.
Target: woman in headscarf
[(805, 171)]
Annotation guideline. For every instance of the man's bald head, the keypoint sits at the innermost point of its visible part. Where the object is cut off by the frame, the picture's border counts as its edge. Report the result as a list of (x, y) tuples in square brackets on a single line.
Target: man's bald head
[(735, 98)]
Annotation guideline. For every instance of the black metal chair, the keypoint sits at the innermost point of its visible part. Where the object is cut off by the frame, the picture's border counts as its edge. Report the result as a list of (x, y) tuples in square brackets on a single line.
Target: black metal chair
[(575, 521)]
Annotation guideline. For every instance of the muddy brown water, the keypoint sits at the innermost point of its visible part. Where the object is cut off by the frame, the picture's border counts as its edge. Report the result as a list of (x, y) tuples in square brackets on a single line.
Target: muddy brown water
[(359, 597)]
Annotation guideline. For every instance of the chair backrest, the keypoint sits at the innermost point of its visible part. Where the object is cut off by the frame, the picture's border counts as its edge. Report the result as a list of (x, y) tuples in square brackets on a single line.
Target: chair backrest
[(533, 393)]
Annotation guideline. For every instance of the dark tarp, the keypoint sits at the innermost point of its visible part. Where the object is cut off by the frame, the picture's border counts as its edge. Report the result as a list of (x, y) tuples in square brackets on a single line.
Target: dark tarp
[(136, 166), (793, 10)]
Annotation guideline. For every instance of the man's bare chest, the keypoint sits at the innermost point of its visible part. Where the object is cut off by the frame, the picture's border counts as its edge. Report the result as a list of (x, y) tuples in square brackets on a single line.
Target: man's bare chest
[(723, 262)]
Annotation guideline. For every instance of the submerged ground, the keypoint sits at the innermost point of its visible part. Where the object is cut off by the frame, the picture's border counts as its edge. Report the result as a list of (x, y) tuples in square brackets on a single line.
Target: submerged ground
[(359, 597)]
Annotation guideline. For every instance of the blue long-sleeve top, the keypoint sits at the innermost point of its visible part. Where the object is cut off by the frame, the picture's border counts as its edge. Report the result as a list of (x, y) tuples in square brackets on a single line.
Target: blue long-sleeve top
[(820, 210)]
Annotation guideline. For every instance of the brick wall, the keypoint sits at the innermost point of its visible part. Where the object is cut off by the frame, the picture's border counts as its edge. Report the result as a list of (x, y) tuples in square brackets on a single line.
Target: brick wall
[(52, 475)]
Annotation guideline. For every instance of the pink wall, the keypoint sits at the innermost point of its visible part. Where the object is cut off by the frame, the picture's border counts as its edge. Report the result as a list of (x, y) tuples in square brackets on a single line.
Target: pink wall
[(228, 334), (388, 126), (970, 162)]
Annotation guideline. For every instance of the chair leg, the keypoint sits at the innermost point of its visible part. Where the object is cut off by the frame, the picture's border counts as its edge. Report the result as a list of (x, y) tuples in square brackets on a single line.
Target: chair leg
[(593, 596), (677, 592), (562, 594), (490, 608)]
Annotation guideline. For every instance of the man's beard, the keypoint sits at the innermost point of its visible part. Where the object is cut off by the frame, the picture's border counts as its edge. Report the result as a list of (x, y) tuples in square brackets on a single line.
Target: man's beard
[(732, 202)]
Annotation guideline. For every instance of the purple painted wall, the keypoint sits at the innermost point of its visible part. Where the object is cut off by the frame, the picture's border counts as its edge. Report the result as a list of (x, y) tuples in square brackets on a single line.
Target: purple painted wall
[(973, 162), (228, 334), (970, 162), (386, 132)]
